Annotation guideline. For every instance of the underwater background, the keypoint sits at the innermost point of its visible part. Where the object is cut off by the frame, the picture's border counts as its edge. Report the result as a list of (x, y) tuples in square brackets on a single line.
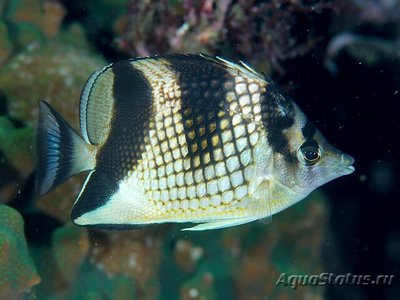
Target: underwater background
[(339, 60)]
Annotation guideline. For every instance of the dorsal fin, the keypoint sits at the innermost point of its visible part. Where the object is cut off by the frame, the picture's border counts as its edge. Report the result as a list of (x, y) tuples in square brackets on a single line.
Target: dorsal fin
[(97, 99), (96, 106), (240, 67)]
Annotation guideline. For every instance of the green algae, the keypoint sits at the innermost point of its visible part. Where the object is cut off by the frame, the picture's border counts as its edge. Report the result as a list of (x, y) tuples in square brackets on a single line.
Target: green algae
[(17, 270), (201, 286), (245, 262), (70, 247), (93, 283), (17, 146), (51, 71), (33, 21), (6, 45)]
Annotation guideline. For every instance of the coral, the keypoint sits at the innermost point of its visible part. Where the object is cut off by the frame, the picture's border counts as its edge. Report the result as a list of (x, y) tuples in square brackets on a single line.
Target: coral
[(6, 45), (34, 20), (187, 255), (53, 282), (16, 157), (7, 190), (70, 246), (283, 248), (95, 285), (136, 254), (68, 275), (17, 271), (266, 30), (237, 263), (200, 287), (245, 262), (16, 145), (58, 202), (263, 32), (50, 71), (55, 71), (122, 288), (183, 26)]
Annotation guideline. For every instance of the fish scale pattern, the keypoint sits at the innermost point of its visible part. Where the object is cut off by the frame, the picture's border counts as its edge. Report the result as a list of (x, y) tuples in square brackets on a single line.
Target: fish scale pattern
[(198, 159)]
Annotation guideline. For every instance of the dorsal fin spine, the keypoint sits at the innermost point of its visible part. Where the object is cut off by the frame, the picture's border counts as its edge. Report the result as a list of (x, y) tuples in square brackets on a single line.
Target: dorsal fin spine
[(242, 67)]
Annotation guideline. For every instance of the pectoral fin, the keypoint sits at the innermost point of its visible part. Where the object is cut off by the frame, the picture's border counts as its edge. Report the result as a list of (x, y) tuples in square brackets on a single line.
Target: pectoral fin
[(260, 190)]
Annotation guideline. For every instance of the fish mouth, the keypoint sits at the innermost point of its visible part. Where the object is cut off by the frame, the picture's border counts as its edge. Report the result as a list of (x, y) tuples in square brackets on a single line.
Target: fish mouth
[(346, 164)]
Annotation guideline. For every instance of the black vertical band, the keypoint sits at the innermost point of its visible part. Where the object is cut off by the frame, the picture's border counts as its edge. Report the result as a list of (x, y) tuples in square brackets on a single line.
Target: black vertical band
[(203, 96), (277, 115), (130, 121)]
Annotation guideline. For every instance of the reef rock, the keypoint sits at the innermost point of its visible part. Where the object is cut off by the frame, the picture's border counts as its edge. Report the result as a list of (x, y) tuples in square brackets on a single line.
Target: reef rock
[(5, 43), (70, 247), (56, 71), (135, 253), (52, 71), (34, 20), (17, 271), (16, 144)]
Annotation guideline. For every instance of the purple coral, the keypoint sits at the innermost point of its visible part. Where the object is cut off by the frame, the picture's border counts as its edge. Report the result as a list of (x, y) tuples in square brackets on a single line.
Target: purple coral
[(261, 31)]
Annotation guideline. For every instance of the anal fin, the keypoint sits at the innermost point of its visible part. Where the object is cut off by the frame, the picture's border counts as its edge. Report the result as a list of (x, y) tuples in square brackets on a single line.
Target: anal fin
[(220, 224), (97, 190)]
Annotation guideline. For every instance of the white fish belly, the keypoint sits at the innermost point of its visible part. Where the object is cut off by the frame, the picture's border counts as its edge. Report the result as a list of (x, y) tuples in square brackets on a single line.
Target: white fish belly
[(175, 183)]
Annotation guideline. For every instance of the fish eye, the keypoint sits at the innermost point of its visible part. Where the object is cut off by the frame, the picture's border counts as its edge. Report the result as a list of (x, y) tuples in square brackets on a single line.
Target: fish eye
[(310, 153)]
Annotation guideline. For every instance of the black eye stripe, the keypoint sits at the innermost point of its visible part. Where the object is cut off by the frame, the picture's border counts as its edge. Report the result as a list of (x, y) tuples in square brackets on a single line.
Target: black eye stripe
[(308, 130), (310, 144)]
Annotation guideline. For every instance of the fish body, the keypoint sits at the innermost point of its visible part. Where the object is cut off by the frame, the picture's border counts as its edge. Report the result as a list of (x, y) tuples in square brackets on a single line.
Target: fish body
[(184, 138)]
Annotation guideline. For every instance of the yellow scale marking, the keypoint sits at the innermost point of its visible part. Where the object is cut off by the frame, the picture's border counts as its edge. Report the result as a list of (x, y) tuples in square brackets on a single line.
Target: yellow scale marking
[(175, 190)]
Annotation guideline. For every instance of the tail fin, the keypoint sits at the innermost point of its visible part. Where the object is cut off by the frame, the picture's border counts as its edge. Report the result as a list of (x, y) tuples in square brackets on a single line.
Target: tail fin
[(61, 152)]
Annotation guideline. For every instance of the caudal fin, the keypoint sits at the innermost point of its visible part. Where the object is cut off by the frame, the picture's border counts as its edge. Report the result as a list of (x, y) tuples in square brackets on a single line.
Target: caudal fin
[(61, 152)]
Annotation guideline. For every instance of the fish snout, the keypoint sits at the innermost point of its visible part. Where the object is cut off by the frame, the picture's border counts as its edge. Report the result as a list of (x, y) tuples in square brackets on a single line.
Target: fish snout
[(346, 163)]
